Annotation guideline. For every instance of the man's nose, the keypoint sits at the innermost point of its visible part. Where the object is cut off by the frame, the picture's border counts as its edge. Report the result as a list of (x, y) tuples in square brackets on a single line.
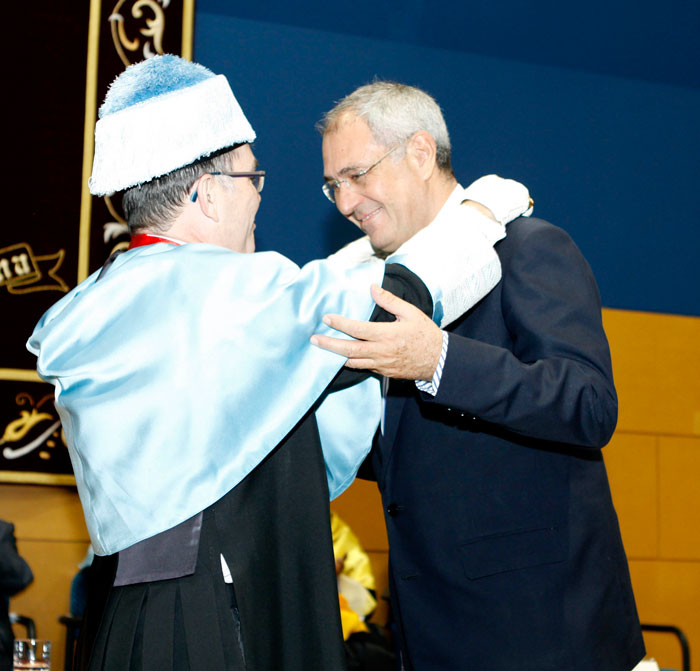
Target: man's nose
[(346, 200)]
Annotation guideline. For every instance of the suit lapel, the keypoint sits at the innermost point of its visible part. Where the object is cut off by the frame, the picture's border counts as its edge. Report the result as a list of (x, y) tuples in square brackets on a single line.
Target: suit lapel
[(394, 401)]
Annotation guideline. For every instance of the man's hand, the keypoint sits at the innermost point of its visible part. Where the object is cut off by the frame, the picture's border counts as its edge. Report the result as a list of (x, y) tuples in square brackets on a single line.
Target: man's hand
[(408, 348)]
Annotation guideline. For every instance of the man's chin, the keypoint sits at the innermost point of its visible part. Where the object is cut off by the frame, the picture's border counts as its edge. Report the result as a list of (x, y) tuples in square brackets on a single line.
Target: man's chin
[(382, 248), (381, 253)]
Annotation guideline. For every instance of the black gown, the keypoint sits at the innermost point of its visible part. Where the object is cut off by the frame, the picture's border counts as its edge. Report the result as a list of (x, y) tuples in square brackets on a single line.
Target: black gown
[(281, 611)]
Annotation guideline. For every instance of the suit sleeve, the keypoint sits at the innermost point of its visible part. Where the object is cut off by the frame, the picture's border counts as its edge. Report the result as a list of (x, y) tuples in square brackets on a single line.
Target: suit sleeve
[(15, 573), (552, 380)]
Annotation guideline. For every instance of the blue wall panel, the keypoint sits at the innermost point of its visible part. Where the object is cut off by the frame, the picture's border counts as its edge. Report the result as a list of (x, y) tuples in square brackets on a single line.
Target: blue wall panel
[(611, 160)]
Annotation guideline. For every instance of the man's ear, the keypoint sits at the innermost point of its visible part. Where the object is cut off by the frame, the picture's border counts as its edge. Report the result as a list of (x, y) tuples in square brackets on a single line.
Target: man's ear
[(206, 196), (422, 151)]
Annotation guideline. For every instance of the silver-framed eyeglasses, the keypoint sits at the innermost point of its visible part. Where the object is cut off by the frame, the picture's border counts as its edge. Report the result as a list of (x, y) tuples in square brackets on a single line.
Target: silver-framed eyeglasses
[(257, 177), (353, 180)]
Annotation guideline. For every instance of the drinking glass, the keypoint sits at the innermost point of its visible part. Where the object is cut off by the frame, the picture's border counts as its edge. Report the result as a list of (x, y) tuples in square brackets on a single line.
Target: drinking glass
[(32, 654)]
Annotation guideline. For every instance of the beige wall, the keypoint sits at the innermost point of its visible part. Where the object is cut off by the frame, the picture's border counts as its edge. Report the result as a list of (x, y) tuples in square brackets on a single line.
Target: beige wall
[(653, 462), (654, 466)]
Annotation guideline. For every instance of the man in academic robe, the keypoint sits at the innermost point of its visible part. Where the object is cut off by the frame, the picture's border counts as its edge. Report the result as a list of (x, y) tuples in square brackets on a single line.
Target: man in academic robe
[(205, 431)]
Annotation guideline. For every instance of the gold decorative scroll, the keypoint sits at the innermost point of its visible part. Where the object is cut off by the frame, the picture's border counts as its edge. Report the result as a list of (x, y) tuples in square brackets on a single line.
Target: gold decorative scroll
[(68, 233), (21, 270), (148, 22)]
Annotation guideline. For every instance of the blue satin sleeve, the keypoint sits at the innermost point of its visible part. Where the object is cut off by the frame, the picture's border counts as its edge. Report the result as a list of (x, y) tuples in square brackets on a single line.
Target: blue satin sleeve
[(183, 367)]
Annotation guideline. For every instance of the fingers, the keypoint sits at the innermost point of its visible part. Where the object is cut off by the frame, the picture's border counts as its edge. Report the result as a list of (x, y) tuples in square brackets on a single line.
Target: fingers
[(356, 329), (393, 304), (351, 349), (363, 364), (362, 330), (342, 347), (407, 348)]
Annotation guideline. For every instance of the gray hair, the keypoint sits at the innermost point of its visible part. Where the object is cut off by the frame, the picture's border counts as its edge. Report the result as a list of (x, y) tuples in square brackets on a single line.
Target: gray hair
[(154, 205), (393, 112)]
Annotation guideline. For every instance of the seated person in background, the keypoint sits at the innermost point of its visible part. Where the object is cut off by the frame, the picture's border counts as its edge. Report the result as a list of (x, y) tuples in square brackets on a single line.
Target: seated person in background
[(78, 586), (366, 645), (15, 575)]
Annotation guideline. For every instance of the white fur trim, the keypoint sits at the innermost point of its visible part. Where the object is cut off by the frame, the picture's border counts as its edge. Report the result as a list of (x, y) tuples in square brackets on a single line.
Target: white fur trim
[(506, 198), (454, 257), (354, 253), (159, 135)]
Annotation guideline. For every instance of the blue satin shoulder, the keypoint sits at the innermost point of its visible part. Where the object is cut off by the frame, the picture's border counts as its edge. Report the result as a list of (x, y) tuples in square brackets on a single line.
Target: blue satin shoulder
[(183, 367)]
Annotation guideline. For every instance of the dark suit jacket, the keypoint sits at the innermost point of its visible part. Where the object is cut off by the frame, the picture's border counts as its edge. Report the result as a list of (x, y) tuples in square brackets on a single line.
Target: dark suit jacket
[(15, 575), (505, 551)]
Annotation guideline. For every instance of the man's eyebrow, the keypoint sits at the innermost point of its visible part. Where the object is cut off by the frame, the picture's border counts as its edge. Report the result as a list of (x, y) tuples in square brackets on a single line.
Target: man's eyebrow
[(344, 171), (351, 168)]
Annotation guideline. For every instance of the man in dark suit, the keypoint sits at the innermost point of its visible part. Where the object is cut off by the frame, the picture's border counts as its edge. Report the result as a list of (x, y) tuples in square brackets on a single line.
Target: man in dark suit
[(505, 550), (15, 575)]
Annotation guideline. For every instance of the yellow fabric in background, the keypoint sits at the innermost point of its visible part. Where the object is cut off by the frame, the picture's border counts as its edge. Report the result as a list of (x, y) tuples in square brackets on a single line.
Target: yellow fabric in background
[(345, 544), (352, 624)]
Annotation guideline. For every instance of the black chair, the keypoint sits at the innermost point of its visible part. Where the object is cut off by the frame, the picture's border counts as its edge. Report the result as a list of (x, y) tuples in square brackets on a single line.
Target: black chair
[(73, 620), (670, 629), (25, 622), (72, 625)]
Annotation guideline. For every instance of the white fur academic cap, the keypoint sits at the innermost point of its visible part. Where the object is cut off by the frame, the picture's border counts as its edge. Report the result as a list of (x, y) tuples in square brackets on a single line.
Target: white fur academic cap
[(159, 115)]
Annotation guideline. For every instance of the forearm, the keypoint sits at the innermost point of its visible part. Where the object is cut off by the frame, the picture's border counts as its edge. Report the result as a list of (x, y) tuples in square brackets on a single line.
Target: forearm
[(556, 399), (544, 368)]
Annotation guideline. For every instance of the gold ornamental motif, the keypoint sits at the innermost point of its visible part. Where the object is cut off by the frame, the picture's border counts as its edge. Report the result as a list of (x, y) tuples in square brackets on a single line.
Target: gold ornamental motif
[(33, 430), (22, 271), (145, 20)]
